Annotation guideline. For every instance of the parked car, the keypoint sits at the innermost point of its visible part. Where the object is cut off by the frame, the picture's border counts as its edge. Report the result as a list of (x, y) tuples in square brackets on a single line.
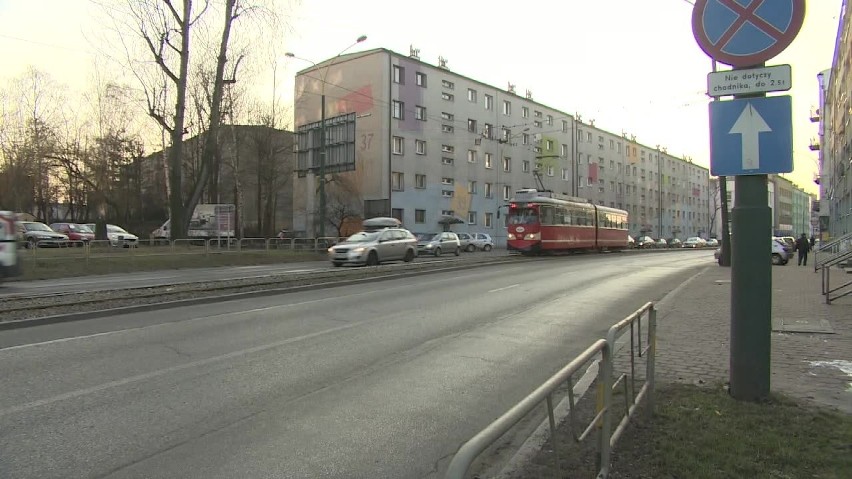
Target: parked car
[(466, 242), (374, 247), (694, 242), (78, 234), (118, 236), (675, 243), (787, 242), (661, 243), (437, 243), (644, 242), (483, 241), (34, 234), (631, 242), (780, 256), (712, 243)]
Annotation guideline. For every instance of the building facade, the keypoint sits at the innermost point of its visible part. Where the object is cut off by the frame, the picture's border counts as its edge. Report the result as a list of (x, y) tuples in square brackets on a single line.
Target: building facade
[(790, 207), (432, 147), (835, 145)]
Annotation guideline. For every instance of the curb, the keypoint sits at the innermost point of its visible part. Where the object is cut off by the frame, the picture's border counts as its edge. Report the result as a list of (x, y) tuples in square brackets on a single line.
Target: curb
[(142, 308)]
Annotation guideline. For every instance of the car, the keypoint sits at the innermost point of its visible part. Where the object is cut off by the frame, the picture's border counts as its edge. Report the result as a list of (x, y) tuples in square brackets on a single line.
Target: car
[(466, 242), (712, 243), (694, 242), (644, 242), (675, 243), (788, 242), (661, 243), (631, 242), (79, 235), (118, 236), (780, 256), (34, 234), (372, 248), (483, 241), (437, 243)]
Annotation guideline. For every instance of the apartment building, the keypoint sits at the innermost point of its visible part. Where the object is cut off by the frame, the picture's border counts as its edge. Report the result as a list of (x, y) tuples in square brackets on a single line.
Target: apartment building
[(790, 206), (436, 149)]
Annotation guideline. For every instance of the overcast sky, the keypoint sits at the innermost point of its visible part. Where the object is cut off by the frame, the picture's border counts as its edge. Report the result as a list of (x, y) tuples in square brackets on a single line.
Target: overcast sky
[(631, 65)]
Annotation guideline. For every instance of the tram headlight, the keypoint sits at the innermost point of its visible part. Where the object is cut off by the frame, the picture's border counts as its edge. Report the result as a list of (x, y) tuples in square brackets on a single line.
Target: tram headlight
[(512, 236), (533, 236)]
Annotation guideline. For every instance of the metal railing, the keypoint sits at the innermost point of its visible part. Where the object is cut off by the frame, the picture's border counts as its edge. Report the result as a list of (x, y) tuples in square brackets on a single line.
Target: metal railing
[(603, 418), (827, 290), (832, 250)]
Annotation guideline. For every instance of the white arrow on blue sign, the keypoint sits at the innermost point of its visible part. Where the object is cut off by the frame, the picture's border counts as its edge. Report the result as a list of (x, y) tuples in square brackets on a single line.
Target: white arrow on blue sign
[(751, 136)]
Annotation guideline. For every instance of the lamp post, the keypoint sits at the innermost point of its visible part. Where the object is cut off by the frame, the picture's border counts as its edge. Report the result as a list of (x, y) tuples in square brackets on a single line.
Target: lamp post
[(322, 128)]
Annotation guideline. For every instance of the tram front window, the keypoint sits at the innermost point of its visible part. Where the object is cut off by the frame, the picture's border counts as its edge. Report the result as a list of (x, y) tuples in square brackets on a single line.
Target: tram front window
[(523, 216)]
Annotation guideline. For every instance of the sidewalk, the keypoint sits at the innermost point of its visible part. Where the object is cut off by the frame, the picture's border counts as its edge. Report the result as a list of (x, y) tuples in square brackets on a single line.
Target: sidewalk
[(694, 331), (693, 338)]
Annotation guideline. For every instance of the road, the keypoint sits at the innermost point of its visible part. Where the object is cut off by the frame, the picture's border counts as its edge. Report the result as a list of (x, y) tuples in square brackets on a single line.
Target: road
[(145, 279), (377, 380)]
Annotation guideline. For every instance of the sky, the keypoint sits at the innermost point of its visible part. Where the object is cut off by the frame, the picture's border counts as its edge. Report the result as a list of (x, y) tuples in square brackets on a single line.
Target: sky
[(633, 66)]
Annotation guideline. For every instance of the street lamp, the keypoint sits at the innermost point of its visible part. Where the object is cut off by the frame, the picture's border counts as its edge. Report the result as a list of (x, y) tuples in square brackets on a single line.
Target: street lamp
[(322, 128)]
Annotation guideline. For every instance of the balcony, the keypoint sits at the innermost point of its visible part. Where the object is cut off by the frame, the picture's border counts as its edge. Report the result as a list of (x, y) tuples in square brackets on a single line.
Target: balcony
[(815, 115), (814, 146)]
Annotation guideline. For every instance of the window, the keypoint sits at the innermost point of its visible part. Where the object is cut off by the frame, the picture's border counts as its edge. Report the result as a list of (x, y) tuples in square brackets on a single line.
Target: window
[(471, 95), (489, 102), (448, 148), (564, 151), (447, 161), (448, 84), (564, 126), (507, 133), (537, 123), (525, 112), (507, 192), (589, 136), (589, 181), (397, 213), (525, 139), (488, 190), (550, 171), (565, 174), (397, 181), (446, 181), (420, 79), (612, 164), (507, 164), (471, 125), (489, 220), (611, 144), (471, 187), (447, 193), (447, 116), (398, 110), (471, 156), (471, 217), (579, 136), (525, 166), (538, 114), (548, 145), (420, 147), (398, 145), (420, 112), (420, 181), (447, 128), (507, 107), (580, 181), (549, 120), (488, 160), (618, 147), (420, 216), (448, 213), (398, 74), (447, 96), (488, 131)]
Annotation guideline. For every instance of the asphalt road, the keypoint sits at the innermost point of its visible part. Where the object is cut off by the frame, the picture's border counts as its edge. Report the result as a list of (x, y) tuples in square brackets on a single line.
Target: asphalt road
[(185, 276), (378, 380)]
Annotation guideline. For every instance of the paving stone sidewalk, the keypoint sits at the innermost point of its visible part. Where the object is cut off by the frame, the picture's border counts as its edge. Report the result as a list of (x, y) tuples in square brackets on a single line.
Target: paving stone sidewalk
[(694, 333)]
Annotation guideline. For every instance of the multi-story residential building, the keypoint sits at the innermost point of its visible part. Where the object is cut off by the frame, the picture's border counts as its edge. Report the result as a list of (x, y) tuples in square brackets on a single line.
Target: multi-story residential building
[(790, 206), (432, 147), (835, 143)]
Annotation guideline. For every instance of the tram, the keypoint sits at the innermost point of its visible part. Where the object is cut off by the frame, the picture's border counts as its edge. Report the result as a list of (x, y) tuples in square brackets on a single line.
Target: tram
[(543, 221)]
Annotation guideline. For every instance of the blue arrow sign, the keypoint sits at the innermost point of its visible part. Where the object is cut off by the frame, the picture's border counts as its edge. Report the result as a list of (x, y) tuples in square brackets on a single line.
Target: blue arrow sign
[(751, 136)]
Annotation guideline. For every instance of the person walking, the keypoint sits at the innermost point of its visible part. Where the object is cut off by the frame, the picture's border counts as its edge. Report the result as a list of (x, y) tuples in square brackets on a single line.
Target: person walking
[(803, 246)]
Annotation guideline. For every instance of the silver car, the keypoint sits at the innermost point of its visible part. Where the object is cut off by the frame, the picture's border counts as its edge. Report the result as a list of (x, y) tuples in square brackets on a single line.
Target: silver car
[(373, 247), (437, 243)]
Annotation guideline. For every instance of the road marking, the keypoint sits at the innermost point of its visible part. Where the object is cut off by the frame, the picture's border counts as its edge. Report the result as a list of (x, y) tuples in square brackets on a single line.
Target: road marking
[(173, 369), (504, 288)]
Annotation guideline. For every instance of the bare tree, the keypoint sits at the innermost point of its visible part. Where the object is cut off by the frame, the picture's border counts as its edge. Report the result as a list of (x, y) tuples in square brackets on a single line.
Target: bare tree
[(344, 202)]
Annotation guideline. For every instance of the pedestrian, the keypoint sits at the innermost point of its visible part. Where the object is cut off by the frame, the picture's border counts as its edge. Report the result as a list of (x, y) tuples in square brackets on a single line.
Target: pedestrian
[(813, 242), (803, 246)]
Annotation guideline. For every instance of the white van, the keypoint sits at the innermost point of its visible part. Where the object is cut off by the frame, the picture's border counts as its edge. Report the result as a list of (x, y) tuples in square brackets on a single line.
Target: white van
[(9, 263)]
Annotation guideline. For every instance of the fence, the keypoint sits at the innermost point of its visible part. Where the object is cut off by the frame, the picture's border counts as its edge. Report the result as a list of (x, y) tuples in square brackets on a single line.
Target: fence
[(603, 419), (835, 253)]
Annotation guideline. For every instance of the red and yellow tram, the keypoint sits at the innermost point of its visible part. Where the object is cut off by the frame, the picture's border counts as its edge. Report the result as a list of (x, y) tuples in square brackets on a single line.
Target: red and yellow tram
[(542, 221)]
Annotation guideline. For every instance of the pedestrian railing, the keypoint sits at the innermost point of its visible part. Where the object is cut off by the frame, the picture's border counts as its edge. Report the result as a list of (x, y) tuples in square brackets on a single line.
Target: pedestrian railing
[(832, 250), (604, 349), (837, 291)]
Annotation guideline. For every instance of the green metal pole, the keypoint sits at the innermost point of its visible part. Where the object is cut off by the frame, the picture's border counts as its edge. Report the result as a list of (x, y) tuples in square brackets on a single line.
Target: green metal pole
[(751, 288), (322, 168)]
